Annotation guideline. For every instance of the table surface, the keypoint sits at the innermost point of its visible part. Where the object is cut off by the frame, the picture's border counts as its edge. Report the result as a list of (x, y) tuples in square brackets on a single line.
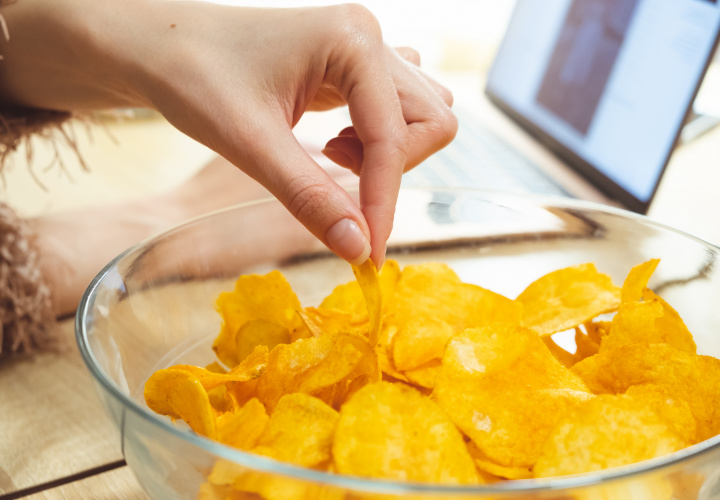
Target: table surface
[(55, 439)]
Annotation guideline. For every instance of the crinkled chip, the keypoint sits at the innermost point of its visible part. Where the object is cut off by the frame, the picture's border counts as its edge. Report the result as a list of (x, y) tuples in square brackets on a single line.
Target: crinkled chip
[(367, 277), (568, 297), (418, 341), (243, 427), (689, 377), (505, 391), (268, 297), (608, 431), (320, 366), (674, 411), (637, 280), (300, 431), (391, 431), (435, 291), (649, 322), (179, 394)]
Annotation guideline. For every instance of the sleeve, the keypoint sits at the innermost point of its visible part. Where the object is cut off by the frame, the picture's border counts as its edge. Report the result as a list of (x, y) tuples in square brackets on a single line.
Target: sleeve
[(27, 321)]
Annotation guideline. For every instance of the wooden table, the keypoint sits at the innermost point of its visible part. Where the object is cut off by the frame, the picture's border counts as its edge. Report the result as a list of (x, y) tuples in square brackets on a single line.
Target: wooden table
[(55, 439)]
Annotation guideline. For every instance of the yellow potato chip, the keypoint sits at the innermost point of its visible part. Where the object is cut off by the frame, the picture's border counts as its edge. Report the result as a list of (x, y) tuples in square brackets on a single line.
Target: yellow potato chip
[(349, 298), (323, 321), (648, 322), (589, 437), (435, 291), (383, 349), (566, 358), (566, 298), (674, 412), (259, 332), (689, 377), (320, 366), (300, 431), (487, 466), (268, 297), (243, 427), (585, 346), (597, 330), (505, 391), (367, 277), (637, 280), (179, 394), (418, 341), (424, 375), (391, 431)]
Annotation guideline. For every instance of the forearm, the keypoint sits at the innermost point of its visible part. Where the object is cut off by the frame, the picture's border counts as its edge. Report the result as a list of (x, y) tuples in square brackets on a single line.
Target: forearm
[(68, 54)]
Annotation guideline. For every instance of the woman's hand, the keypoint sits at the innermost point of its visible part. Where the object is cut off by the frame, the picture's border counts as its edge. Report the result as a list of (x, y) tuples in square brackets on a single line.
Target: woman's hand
[(238, 80)]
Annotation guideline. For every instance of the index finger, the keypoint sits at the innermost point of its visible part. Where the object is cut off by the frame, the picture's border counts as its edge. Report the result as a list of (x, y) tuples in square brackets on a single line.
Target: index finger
[(378, 120)]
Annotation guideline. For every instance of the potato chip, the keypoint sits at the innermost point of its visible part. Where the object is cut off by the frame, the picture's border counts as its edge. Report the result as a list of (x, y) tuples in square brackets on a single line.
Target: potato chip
[(259, 332), (637, 280), (349, 297), (566, 298), (674, 412), (484, 464), (436, 380), (322, 321), (251, 368), (391, 431), (566, 358), (418, 341), (597, 330), (435, 291), (242, 428), (269, 298), (367, 277), (505, 391), (648, 322), (589, 437), (300, 431), (179, 394), (320, 366), (689, 377), (424, 375), (383, 349)]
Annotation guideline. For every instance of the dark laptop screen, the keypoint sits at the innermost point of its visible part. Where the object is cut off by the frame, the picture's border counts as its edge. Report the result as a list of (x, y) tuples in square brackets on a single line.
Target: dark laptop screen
[(606, 83)]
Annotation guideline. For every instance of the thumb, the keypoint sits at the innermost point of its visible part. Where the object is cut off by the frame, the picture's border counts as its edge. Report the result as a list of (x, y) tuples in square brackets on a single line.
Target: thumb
[(309, 193)]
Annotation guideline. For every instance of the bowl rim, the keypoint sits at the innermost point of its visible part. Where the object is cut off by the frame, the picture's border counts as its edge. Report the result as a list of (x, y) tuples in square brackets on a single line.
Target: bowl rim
[(383, 486)]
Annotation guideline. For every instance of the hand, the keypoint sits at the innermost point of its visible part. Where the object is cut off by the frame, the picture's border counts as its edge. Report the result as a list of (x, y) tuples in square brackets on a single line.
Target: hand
[(238, 80)]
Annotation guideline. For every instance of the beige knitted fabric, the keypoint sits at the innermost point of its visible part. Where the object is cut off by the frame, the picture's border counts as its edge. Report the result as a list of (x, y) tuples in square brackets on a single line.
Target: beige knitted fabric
[(27, 321), (26, 318)]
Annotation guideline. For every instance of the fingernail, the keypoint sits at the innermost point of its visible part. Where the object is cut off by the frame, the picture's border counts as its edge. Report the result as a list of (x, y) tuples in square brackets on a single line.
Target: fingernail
[(347, 240), (338, 157)]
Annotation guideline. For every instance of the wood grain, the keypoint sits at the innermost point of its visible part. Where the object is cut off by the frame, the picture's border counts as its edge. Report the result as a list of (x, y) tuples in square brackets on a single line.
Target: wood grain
[(118, 484), (52, 424)]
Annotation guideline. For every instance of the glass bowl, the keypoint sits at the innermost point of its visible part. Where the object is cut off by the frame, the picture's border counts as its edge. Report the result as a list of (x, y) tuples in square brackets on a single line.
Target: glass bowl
[(153, 306)]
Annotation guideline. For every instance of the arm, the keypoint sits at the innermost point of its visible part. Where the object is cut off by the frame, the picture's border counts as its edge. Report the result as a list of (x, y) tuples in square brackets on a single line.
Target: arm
[(238, 80)]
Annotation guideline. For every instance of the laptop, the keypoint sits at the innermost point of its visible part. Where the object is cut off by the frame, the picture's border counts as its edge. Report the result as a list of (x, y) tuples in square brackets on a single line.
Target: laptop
[(604, 85)]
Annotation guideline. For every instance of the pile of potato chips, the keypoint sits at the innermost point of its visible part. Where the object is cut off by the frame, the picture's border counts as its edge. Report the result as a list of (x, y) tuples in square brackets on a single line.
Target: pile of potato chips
[(413, 375)]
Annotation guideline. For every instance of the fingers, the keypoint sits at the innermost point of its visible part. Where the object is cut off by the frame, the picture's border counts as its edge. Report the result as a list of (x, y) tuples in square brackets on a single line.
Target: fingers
[(425, 106), (308, 192), (359, 70)]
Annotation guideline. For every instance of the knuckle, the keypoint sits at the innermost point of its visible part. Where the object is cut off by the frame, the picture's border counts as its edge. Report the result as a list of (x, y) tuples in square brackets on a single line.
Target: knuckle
[(444, 127), (306, 200), (358, 24)]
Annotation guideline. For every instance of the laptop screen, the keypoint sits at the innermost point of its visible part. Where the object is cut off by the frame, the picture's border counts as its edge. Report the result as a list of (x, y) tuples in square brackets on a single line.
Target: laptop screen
[(607, 84)]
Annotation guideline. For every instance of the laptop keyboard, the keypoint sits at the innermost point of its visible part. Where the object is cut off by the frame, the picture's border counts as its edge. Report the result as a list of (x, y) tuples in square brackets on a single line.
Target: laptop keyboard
[(479, 158)]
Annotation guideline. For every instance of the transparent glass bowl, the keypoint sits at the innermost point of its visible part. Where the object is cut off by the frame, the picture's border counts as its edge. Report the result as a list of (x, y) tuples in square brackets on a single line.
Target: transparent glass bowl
[(153, 306)]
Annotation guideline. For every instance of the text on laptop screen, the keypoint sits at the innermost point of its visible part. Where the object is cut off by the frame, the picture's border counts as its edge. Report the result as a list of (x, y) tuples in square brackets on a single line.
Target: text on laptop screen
[(611, 80)]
